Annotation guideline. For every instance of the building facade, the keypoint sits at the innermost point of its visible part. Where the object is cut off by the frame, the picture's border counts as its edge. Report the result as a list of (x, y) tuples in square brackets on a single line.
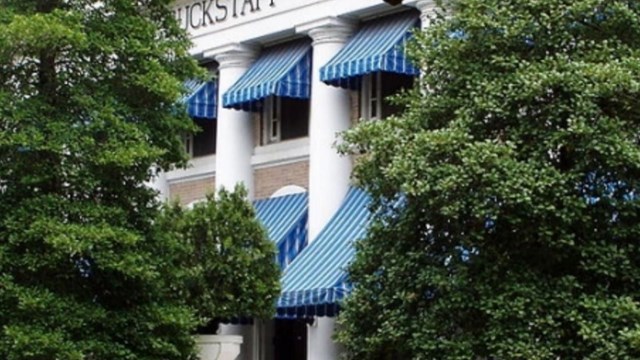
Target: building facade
[(288, 77)]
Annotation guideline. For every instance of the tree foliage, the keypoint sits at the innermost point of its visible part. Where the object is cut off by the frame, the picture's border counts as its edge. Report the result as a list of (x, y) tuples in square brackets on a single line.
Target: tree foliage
[(231, 268), (518, 164), (88, 93)]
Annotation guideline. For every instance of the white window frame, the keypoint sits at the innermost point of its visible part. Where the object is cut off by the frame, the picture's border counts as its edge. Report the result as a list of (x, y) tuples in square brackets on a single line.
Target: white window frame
[(188, 144), (272, 119), (371, 96)]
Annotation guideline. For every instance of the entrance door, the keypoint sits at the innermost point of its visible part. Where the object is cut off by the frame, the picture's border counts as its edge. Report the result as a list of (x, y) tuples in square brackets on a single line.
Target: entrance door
[(290, 340)]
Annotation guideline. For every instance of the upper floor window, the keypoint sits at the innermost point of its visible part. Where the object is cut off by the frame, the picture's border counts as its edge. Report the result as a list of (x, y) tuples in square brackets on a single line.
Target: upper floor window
[(203, 142), (284, 118), (375, 91)]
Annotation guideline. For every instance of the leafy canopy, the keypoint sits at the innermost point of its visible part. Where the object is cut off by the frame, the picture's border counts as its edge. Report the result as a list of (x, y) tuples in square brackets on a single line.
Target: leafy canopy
[(88, 93), (518, 159), (231, 262)]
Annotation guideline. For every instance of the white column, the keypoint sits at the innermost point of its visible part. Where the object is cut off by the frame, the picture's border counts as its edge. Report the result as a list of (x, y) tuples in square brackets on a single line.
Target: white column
[(320, 342), (330, 114), (235, 128), (234, 148), (427, 11), (329, 173)]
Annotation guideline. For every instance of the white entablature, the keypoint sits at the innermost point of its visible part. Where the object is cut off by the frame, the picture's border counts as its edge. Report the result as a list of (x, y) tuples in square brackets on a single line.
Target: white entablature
[(270, 21)]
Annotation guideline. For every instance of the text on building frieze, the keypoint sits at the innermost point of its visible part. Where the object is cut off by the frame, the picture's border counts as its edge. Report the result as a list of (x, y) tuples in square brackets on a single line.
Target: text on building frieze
[(203, 13)]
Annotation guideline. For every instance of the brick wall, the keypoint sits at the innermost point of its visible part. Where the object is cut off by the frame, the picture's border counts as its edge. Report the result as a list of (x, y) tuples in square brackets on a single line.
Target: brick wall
[(269, 180), (188, 191)]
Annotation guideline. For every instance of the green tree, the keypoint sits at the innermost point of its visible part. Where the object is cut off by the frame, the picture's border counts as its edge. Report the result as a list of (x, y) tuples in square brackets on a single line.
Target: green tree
[(229, 264), (87, 106), (517, 164)]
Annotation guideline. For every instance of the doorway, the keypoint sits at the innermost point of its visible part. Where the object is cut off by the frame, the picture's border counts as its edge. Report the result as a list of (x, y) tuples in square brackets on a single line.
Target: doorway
[(290, 340)]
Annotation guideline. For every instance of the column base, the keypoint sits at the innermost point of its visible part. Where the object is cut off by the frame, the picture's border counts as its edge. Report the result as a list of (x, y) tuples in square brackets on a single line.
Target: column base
[(218, 347)]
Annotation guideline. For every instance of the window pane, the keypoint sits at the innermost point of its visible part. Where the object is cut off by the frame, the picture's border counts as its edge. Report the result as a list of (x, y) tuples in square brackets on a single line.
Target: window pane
[(294, 118), (373, 80), (188, 144), (274, 108), (204, 142), (391, 85), (274, 129), (373, 108)]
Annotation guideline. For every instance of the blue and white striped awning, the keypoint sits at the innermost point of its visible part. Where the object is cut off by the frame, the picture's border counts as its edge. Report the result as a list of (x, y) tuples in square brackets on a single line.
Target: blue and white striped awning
[(316, 281), (202, 99), (283, 70), (286, 221), (378, 46)]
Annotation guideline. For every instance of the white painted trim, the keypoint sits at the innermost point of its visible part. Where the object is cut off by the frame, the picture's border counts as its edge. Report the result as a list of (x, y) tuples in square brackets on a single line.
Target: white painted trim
[(198, 168), (192, 204), (272, 112), (188, 144), (288, 190), (366, 96), (280, 153)]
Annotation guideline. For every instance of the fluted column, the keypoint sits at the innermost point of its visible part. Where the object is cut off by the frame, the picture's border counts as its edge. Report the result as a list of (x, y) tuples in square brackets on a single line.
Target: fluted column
[(330, 114), (329, 173), (235, 128), (234, 146)]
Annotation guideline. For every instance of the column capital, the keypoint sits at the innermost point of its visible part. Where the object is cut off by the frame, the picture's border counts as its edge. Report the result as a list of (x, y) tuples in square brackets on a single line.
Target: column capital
[(426, 5), (328, 30), (427, 9), (233, 55)]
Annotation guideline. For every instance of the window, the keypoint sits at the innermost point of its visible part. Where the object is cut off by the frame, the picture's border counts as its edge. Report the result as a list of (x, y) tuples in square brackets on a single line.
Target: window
[(370, 96), (271, 119), (284, 119), (188, 144), (375, 91), (203, 142)]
